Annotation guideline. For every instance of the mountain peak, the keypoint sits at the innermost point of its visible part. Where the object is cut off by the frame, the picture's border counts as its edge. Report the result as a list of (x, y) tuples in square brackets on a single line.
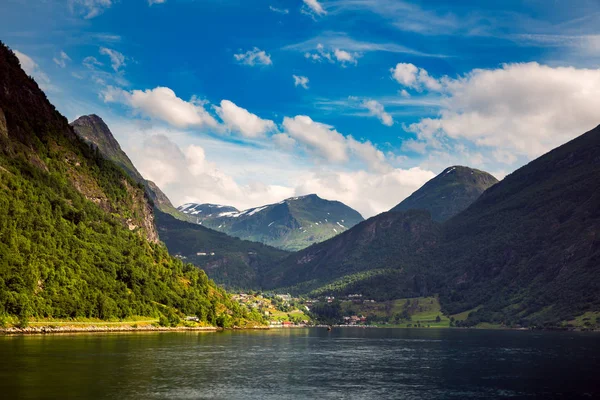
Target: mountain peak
[(449, 193)]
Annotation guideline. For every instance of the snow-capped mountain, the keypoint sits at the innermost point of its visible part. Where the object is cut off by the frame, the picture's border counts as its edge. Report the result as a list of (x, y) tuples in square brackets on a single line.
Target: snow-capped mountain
[(291, 224)]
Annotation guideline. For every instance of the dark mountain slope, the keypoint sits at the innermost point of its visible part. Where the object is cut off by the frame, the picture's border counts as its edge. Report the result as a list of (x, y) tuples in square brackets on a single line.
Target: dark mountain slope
[(77, 237), (391, 240), (292, 224), (227, 260), (529, 248), (449, 193)]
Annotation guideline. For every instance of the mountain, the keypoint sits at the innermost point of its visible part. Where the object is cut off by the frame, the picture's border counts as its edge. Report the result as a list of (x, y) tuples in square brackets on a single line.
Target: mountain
[(93, 130), (291, 224), (449, 193), (526, 252), (77, 236), (229, 261)]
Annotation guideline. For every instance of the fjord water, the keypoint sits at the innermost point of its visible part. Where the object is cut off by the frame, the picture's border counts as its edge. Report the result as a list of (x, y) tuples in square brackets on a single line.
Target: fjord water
[(302, 363)]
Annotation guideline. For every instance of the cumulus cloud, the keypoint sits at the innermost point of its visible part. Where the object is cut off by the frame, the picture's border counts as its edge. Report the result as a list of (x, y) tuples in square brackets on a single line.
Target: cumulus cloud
[(89, 8), (518, 110), (162, 103), (313, 7), (376, 109), (366, 192), (336, 55), (300, 81), (238, 119), (410, 76), (192, 168), (61, 59), (117, 59), (328, 144), (284, 141), (254, 57), (186, 175), (34, 70)]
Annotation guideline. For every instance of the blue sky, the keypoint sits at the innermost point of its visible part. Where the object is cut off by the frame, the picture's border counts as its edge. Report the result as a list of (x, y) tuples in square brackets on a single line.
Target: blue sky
[(248, 102)]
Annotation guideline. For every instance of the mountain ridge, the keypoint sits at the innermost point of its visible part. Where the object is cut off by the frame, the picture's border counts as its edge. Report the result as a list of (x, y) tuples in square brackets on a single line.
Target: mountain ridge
[(291, 224)]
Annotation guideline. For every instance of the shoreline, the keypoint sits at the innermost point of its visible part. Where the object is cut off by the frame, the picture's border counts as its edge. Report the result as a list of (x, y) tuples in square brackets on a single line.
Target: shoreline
[(36, 330), (44, 330)]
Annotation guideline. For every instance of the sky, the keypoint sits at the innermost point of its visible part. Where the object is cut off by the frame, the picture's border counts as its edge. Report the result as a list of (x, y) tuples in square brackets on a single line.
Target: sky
[(246, 103)]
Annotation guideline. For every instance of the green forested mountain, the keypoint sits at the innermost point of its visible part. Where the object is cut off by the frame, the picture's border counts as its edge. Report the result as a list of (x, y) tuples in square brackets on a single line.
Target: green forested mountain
[(291, 224), (228, 260), (77, 236), (526, 252), (449, 193)]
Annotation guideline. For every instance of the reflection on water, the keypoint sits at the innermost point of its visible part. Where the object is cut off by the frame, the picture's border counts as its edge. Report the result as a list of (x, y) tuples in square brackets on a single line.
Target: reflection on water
[(302, 363)]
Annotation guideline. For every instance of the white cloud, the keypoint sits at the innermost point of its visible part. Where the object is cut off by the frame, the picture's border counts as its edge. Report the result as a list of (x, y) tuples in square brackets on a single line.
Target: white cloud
[(314, 7), (366, 192), (162, 103), (518, 110), (338, 40), (328, 144), (150, 2), (34, 70), (376, 109), (189, 167), (61, 59), (410, 76), (284, 141), (91, 62), (240, 120), (279, 10), (319, 138), (300, 81), (89, 8), (117, 59), (253, 57), (335, 55)]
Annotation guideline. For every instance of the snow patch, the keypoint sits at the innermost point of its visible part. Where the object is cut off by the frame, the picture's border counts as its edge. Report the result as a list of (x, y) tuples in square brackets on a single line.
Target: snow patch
[(254, 211)]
